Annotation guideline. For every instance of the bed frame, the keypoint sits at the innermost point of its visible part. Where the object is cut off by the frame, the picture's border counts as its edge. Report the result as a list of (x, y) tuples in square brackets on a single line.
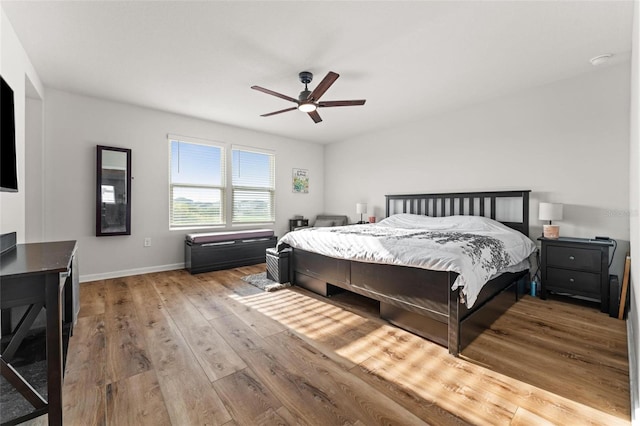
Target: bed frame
[(419, 300)]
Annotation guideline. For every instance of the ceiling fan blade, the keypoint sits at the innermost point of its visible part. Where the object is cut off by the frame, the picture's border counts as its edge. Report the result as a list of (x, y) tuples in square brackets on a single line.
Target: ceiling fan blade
[(342, 103), (315, 116), (278, 112), (271, 92), (326, 82)]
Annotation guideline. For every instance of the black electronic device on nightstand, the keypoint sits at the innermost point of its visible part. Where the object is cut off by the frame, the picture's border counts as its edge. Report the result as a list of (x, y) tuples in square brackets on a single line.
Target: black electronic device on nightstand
[(576, 267)]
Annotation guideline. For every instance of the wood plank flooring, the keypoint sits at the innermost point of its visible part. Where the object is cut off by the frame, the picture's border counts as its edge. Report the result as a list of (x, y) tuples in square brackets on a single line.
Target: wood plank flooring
[(178, 349)]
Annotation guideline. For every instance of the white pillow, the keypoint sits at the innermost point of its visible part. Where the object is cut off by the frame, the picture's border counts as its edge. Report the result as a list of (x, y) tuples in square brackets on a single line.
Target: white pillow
[(448, 223)]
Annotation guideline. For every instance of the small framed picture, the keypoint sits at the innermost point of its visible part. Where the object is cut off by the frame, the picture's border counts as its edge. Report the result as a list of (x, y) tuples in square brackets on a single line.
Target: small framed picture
[(301, 181)]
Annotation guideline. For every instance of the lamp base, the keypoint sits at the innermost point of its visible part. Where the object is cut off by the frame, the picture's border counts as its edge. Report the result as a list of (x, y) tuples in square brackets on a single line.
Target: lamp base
[(551, 231)]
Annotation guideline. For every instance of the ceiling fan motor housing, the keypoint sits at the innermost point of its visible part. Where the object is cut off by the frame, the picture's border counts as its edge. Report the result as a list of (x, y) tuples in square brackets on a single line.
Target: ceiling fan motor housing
[(304, 95)]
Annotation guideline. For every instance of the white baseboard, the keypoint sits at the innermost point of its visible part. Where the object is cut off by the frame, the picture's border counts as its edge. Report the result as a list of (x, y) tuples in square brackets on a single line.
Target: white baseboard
[(129, 272)]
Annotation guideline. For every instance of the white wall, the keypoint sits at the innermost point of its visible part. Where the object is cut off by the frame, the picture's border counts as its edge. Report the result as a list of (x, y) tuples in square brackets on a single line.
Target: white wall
[(76, 124), (568, 142), (16, 69), (34, 163), (633, 326)]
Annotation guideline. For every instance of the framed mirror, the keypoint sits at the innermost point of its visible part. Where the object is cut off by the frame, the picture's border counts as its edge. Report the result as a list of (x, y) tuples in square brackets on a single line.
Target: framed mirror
[(113, 191)]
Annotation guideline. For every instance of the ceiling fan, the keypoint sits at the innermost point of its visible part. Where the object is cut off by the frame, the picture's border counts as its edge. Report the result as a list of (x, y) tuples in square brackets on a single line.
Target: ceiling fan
[(309, 101)]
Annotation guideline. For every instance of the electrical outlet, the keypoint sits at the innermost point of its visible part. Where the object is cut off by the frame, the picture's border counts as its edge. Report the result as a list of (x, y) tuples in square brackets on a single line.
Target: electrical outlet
[(147, 242)]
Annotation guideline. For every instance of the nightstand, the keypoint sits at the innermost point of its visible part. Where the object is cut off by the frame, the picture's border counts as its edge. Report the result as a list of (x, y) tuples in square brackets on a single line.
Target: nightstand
[(297, 223), (576, 267)]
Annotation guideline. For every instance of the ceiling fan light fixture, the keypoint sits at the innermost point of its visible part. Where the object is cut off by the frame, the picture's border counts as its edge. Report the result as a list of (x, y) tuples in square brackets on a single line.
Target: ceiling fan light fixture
[(307, 107)]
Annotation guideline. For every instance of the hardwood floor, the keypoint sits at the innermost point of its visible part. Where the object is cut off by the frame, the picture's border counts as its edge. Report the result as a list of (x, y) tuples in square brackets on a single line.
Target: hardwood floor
[(181, 349)]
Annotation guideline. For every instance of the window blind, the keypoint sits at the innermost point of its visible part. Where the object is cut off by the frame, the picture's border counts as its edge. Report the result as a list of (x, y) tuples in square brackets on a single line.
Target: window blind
[(197, 184), (253, 186)]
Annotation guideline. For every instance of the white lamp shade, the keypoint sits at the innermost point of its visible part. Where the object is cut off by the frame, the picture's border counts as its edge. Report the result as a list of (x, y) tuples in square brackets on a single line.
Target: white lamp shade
[(550, 211), (361, 208)]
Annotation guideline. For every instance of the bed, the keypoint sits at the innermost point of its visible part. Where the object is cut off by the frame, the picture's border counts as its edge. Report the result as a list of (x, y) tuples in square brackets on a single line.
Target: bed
[(423, 301)]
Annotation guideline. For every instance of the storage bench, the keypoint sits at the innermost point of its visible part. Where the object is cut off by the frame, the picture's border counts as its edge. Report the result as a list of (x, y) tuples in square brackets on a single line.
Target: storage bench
[(213, 251)]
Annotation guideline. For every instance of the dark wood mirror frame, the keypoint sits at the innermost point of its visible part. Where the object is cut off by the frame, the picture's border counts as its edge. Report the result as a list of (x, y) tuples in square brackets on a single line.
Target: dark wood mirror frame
[(113, 191)]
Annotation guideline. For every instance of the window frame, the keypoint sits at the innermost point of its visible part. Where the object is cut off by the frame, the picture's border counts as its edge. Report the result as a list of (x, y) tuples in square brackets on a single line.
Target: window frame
[(271, 190), (222, 187), (226, 187)]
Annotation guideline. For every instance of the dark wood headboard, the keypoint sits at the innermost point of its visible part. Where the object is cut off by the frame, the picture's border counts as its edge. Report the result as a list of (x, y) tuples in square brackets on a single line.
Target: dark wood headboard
[(460, 203)]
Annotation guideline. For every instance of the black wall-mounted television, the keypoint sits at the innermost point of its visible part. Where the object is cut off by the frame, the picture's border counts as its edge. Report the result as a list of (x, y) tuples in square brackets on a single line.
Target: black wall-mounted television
[(8, 160)]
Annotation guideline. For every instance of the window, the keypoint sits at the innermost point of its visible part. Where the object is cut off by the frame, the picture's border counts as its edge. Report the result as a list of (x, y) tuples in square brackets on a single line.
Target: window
[(108, 194), (197, 184), (199, 195), (253, 182)]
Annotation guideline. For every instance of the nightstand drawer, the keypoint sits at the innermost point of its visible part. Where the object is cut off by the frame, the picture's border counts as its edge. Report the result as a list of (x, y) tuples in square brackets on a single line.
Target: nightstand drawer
[(574, 258), (574, 282)]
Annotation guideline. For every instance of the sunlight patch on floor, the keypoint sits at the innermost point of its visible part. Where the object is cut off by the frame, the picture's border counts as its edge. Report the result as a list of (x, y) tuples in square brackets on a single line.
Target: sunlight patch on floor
[(420, 367), (301, 313)]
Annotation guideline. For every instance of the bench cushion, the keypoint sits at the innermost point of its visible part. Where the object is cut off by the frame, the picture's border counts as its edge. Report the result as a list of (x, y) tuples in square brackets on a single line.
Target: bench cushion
[(212, 237)]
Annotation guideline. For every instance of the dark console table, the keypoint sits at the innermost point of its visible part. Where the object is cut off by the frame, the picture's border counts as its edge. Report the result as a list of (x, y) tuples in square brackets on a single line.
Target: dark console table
[(40, 275)]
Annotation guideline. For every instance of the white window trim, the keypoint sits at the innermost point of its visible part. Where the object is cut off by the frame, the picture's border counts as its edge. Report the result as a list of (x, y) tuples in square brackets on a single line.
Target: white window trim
[(230, 192), (223, 187), (227, 183)]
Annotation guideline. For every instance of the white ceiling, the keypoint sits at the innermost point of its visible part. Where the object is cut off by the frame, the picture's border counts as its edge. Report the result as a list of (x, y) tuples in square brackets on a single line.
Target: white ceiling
[(408, 59)]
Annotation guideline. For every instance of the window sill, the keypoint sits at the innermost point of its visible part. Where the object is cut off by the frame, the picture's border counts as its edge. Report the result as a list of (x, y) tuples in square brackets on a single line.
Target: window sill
[(223, 227)]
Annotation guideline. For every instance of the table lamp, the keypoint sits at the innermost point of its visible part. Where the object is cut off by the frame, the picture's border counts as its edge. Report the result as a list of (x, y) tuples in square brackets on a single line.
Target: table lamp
[(550, 212), (361, 208)]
